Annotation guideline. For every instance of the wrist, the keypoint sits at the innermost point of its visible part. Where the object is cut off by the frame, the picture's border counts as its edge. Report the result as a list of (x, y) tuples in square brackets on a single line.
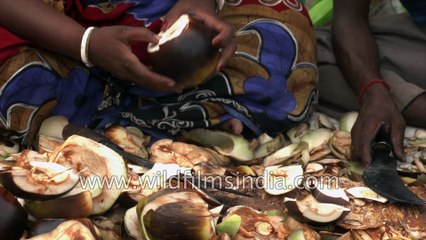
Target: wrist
[(373, 87), (376, 93)]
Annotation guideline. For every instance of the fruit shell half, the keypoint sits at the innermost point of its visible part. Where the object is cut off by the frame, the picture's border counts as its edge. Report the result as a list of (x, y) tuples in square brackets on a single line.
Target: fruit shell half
[(189, 58)]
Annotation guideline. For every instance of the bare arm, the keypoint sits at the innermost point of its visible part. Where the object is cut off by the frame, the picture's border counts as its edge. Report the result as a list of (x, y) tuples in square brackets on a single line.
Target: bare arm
[(36, 21), (358, 58), (353, 43)]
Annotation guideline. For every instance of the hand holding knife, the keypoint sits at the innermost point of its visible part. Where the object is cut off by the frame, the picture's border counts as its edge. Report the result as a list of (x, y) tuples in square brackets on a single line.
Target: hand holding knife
[(382, 176)]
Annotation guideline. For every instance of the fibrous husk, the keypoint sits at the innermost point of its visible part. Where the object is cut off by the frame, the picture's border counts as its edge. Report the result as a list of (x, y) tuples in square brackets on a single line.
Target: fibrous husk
[(47, 144), (260, 200), (340, 144), (185, 155), (71, 229), (92, 161), (24, 158), (39, 180), (208, 169), (130, 139)]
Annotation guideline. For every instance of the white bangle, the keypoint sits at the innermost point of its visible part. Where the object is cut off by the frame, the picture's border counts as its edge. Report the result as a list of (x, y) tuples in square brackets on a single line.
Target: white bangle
[(84, 47)]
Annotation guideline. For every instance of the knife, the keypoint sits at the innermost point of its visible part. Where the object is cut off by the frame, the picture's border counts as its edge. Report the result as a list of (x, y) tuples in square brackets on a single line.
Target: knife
[(71, 129), (382, 176)]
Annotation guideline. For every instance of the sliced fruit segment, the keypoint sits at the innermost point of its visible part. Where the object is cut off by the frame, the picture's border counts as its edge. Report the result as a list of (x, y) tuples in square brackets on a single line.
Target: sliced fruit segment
[(44, 180), (347, 121), (131, 223), (297, 235), (71, 229), (236, 147), (230, 225), (328, 194), (131, 142), (53, 126), (366, 193), (98, 165), (317, 138), (310, 210), (296, 152), (280, 180), (268, 147)]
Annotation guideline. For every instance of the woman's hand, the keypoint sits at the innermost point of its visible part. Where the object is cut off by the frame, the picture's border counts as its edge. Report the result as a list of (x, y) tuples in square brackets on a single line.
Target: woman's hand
[(205, 10), (110, 50), (378, 111)]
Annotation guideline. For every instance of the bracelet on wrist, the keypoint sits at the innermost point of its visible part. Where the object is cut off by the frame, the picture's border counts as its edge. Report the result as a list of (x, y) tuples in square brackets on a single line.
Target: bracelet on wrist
[(369, 84), (84, 47)]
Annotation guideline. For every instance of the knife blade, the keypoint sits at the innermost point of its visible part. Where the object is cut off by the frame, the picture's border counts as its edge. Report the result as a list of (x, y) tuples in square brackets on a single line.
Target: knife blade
[(382, 177)]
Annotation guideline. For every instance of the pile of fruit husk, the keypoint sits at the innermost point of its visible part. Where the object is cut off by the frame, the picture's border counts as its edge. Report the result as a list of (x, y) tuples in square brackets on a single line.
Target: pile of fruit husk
[(301, 184)]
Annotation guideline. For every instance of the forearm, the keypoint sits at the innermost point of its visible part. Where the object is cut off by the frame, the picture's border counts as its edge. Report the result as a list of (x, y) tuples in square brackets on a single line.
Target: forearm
[(37, 22), (355, 48)]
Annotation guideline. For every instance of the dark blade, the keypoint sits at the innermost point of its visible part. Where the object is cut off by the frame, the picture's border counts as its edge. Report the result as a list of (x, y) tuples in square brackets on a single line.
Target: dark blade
[(382, 177), (72, 129)]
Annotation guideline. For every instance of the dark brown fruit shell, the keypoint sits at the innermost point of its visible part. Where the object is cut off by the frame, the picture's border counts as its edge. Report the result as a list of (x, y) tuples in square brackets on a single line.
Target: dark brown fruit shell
[(190, 58), (13, 218), (76, 206), (129, 200), (179, 220), (322, 196)]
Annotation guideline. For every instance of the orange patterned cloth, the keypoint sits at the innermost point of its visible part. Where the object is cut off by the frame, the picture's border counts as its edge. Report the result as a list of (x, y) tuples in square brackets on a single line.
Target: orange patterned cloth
[(270, 84)]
